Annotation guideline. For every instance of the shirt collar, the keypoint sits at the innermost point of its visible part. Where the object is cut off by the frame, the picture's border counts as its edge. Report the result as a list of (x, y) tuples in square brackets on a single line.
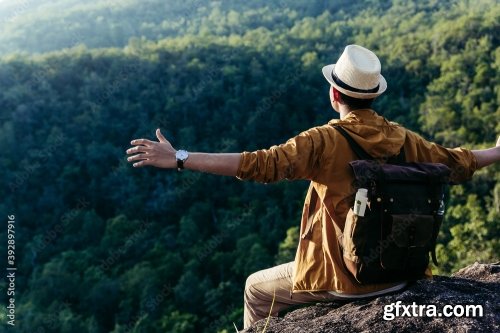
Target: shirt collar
[(357, 116)]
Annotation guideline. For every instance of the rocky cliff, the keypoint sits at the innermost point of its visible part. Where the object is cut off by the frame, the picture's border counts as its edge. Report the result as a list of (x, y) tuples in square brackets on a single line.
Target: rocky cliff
[(478, 284)]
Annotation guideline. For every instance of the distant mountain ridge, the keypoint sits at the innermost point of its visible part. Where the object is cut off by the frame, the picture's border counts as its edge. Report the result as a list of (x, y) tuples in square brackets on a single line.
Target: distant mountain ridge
[(48, 25)]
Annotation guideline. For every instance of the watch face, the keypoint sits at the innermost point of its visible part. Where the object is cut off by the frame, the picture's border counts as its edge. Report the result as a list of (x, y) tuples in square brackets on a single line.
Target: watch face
[(181, 155)]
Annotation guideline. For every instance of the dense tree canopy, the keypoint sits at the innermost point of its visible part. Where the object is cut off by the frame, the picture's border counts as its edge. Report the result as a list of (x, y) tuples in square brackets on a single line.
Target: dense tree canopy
[(104, 247)]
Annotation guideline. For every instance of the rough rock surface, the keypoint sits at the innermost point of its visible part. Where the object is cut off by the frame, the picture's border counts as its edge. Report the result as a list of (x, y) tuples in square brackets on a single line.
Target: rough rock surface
[(476, 284)]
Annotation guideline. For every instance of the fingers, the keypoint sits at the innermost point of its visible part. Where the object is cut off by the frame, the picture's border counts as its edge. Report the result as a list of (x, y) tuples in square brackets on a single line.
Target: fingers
[(144, 142), (141, 160), (137, 157), (160, 136), (138, 149), (141, 163)]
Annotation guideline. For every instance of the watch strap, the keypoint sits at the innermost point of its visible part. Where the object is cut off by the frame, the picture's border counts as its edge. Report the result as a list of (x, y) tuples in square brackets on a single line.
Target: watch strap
[(180, 164)]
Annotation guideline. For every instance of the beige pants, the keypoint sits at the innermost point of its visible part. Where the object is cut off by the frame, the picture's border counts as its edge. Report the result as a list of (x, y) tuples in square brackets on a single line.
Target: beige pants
[(261, 287)]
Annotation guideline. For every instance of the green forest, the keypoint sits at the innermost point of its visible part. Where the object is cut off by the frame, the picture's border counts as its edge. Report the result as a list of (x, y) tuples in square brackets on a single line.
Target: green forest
[(104, 247)]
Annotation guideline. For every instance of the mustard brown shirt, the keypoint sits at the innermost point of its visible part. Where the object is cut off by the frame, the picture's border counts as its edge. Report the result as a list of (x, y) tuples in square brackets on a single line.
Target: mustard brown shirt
[(321, 155)]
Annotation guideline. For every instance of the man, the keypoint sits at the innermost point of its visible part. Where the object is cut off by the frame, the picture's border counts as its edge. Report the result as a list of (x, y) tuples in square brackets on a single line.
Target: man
[(320, 154)]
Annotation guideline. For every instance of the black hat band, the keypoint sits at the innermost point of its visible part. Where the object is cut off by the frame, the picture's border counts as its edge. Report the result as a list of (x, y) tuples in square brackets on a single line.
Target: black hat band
[(344, 85)]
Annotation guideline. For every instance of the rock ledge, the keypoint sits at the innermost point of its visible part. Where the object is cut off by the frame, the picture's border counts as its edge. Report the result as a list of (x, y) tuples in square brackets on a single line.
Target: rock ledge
[(477, 284)]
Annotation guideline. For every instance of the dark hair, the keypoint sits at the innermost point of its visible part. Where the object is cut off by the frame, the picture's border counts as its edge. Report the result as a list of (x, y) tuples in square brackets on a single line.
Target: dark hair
[(356, 103)]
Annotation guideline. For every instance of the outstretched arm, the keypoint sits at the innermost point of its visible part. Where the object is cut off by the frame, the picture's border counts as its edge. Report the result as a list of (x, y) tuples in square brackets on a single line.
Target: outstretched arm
[(489, 156), (161, 154)]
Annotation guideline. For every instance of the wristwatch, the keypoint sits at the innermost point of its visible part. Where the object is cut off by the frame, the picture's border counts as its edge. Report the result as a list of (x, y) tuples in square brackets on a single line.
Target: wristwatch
[(181, 156)]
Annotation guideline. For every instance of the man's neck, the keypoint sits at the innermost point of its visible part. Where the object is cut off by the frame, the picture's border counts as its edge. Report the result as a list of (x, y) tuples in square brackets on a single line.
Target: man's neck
[(344, 111)]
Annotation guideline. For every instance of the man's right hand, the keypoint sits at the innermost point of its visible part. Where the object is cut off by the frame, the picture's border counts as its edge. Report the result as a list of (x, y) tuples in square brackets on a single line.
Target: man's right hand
[(159, 154), (486, 157)]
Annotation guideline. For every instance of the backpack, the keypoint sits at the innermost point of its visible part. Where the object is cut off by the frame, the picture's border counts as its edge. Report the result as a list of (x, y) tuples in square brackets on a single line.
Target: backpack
[(392, 241)]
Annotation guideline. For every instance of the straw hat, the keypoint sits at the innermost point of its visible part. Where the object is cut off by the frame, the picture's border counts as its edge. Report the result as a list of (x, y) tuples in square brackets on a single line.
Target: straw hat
[(356, 73)]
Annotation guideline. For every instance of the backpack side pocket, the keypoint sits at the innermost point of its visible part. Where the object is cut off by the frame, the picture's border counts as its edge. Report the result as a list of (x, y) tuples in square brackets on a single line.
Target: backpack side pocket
[(354, 242)]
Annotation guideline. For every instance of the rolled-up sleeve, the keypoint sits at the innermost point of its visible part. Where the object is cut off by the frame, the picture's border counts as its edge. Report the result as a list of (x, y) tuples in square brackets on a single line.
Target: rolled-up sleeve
[(298, 158), (461, 161)]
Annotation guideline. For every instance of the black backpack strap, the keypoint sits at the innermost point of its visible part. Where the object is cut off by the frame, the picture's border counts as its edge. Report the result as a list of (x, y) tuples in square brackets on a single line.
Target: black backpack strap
[(438, 220), (360, 152), (400, 158), (433, 248)]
